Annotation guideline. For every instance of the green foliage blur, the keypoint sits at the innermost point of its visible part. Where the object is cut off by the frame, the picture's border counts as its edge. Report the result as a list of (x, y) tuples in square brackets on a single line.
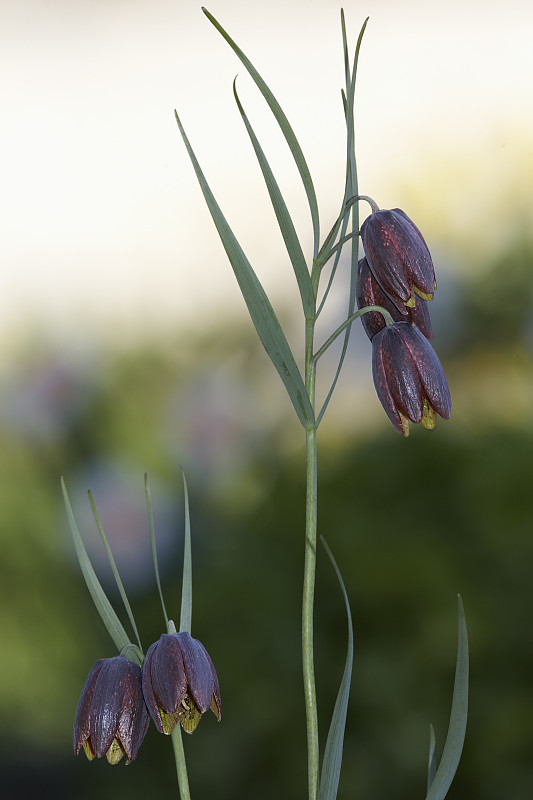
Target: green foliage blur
[(411, 523)]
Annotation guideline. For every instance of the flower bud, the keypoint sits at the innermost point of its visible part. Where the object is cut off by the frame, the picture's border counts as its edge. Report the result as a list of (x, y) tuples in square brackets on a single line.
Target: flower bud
[(398, 257), (112, 718), (179, 682), (408, 377), (370, 293)]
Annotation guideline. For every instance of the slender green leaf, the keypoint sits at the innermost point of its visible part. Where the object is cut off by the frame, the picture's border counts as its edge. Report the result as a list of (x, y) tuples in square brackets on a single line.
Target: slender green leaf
[(102, 604), (453, 745), (284, 125), (331, 765), (263, 316), (285, 222), (186, 586), (153, 545), (348, 98), (114, 570), (432, 759), (351, 190)]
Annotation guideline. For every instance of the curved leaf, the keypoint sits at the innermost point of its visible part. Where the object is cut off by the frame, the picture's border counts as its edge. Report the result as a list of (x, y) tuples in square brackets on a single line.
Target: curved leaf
[(103, 606), (331, 765), (114, 570), (432, 761), (453, 746), (151, 530), (186, 586), (285, 222), (284, 125), (263, 316)]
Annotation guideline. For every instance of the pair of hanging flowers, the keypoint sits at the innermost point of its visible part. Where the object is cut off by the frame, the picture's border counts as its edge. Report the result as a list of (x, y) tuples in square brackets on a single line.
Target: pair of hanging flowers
[(397, 274), (177, 684)]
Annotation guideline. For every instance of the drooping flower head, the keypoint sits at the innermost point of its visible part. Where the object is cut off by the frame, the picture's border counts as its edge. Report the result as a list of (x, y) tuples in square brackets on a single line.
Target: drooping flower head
[(370, 293), (398, 257), (179, 682), (408, 377), (112, 718)]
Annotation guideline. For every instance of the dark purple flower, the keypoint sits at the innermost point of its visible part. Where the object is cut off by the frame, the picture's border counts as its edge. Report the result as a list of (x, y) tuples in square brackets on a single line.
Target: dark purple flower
[(408, 377), (112, 718), (179, 682), (370, 293), (398, 257)]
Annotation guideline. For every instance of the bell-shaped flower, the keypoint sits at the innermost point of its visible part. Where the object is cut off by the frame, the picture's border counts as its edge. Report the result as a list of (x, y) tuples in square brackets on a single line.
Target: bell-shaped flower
[(370, 293), (112, 718), (179, 682), (398, 257), (408, 377)]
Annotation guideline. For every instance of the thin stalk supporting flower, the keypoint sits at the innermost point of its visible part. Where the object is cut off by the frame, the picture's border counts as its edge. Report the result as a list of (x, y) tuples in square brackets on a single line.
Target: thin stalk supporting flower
[(176, 682), (390, 287)]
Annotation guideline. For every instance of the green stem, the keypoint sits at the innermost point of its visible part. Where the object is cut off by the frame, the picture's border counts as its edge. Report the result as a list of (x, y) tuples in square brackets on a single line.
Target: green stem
[(383, 311), (309, 576), (181, 766)]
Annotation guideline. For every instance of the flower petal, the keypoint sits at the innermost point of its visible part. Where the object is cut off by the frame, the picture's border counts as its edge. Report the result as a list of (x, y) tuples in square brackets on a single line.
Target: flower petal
[(134, 719), (107, 704), (164, 681), (82, 720), (418, 257), (430, 369), (198, 669), (380, 363), (386, 254)]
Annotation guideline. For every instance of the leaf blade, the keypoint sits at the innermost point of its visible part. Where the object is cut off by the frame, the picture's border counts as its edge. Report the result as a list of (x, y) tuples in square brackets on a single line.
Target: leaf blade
[(286, 226), (186, 585), (263, 316), (331, 764), (432, 760), (453, 745), (102, 604), (284, 125), (151, 531), (114, 570)]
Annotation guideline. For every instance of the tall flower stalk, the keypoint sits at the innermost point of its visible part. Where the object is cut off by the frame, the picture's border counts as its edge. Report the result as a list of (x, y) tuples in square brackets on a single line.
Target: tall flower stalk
[(396, 281), (404, 258)]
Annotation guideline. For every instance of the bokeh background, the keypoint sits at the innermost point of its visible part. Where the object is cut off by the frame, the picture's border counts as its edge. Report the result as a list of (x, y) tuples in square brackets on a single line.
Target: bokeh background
[(125, 347)]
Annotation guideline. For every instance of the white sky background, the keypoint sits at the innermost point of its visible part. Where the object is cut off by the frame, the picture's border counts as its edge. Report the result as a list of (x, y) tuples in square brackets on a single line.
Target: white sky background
[(103, 228)]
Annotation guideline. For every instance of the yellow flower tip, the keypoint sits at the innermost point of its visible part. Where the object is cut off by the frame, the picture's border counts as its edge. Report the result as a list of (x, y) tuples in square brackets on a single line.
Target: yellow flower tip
[(115, 752), (87, 749), (169, 721), (189, 714), (429, 416), (215, 709), (411, 302), (405, 424), (421, 294)]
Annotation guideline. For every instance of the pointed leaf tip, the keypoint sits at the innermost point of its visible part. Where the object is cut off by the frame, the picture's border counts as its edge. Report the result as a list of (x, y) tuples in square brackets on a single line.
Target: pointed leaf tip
[(331, 764), (453, 745), (102, 604)]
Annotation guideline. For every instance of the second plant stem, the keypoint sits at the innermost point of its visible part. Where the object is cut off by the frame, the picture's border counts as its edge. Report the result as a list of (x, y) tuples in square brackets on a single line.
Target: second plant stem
[(309, 576)]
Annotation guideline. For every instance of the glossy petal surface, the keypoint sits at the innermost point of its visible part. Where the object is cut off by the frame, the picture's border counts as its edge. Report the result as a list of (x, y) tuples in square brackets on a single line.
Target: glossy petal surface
[(112, 718), (179, 682), (370, 293), (408, 376), (398, 256)]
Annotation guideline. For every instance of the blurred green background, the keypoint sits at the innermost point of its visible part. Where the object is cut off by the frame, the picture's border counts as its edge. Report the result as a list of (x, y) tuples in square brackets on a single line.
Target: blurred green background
[(126, 348), (412, 522)]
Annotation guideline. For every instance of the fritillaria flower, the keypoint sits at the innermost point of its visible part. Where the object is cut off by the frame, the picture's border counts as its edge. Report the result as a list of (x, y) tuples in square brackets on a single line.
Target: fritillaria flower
[(408, 377), (112, 718), (370, 293), (398, 257), (179, 682)]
